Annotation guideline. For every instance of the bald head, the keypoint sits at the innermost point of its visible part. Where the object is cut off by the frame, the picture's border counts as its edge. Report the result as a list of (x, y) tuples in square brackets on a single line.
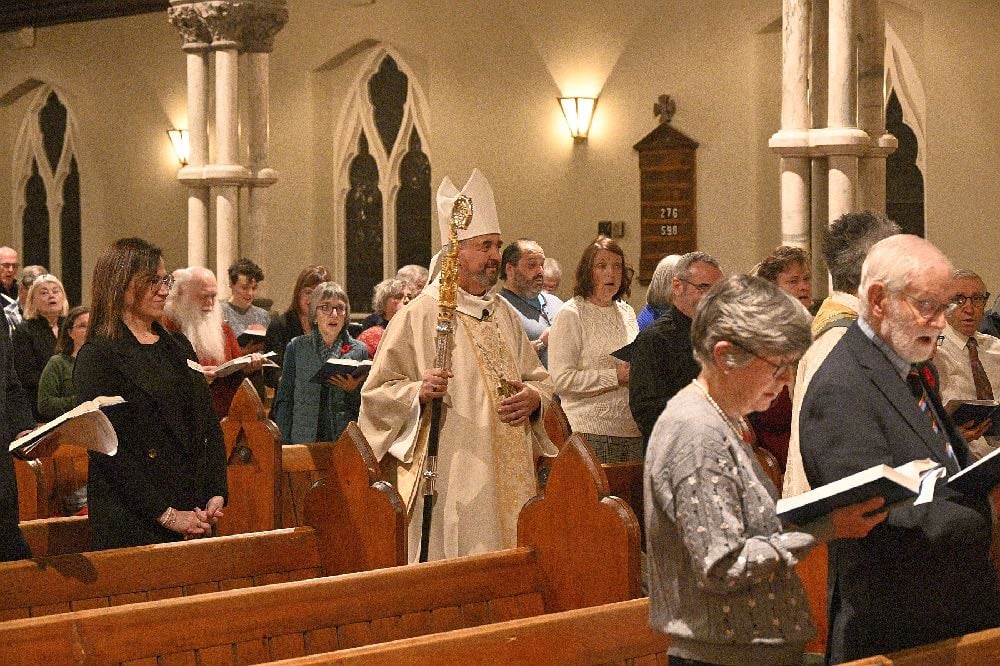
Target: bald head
[(8, 266), (906, 285), (196, 287)]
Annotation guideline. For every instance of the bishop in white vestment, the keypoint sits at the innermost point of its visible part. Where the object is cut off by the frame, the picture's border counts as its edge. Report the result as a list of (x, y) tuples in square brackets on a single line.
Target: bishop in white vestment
[(488, 442)]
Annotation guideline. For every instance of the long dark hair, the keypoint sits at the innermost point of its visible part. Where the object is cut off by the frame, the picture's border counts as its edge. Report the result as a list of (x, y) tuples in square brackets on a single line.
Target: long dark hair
[(64, 343), (309, 277), (113, 273), (585, 269)]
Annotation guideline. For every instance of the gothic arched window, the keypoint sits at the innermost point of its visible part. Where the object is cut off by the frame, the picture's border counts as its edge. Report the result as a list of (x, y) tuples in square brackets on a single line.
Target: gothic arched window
[(47, 191), (383, 186)]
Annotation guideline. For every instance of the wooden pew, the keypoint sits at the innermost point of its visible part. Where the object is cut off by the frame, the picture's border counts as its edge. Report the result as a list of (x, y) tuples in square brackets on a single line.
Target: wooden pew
[(577, 547), (616, 633), (357, 523), (253, 466)]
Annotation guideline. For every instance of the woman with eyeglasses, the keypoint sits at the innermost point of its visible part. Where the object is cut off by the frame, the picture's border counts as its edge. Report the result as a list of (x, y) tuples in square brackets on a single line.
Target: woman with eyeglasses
[(723, 584), (167, 482), (56, 394), (34, 340), (788, 268), (308, 411)]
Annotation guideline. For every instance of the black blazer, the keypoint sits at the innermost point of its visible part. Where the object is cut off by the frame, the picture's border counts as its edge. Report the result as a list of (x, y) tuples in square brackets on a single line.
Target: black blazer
[(925, 573), (15, 416), (34, 345), (662, 364), (166, 457)]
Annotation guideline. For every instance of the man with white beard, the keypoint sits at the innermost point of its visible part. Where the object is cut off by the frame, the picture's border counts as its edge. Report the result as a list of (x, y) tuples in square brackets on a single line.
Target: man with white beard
[(193, 310)]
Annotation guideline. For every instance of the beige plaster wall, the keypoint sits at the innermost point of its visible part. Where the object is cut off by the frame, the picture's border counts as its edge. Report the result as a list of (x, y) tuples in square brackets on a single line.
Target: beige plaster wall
[(491, 72)]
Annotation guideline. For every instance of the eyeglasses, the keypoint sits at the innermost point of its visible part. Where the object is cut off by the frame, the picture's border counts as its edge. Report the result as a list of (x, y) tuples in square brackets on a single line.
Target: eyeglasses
[(930, 309), (979, 301), (327, 308), (156, 282), (9, 267), (779, 368), (702, 288)]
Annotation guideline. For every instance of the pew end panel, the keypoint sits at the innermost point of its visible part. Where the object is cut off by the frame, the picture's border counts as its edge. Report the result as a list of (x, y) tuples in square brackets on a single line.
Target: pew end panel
[(360, 520), (587, 541), (253, 466), (44, 482), (57, 536), (302, 465)]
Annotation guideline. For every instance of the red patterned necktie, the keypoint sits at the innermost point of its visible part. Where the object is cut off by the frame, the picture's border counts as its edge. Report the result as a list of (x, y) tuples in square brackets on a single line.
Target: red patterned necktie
[(984, 391)]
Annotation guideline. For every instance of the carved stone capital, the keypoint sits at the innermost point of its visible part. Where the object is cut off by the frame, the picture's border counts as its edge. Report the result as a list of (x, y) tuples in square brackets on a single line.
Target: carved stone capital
[(248, 25), (188, 21), (263, 23)]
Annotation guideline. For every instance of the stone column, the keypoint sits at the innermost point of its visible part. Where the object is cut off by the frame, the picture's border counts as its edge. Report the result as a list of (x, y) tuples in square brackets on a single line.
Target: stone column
[(187, 19), (871, 105), (792, 141), (258, 42), (843, 140), (820, 166)]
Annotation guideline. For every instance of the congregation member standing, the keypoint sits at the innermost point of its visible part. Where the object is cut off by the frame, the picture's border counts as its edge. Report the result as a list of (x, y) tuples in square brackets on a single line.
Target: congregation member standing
[(845, 245), (34, 340), (239, 311), (14, 312), (309, 411), (925, 574), (415, 276), (193, 310), (969, 361), (8, 284), (787, 267), (660, 293), (522, 270), (593, 385), (294, 321), (551, 275), (167, 481), (15, 420), (388, 297), (56, 393), (494, 395), (723, 584), (662, 360)]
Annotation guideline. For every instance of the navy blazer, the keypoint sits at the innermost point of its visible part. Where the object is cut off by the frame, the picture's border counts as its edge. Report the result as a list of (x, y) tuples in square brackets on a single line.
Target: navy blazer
[(925, 573), (165, 459)]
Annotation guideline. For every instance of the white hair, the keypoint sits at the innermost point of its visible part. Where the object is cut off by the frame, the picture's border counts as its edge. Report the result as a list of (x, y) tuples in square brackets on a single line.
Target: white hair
[(895, 262), (203, 329)]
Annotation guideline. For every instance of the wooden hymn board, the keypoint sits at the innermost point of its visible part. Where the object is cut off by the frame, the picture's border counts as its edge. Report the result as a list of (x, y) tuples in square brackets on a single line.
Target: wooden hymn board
[(667, 197)]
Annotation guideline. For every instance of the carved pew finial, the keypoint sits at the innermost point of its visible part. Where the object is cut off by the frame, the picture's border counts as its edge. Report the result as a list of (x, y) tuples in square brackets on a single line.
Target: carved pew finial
[(575, 527), (253, 466), (360, 519)]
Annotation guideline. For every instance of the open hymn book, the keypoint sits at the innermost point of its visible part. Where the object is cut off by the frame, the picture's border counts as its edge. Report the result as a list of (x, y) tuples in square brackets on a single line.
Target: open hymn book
[(913, 481), (85, 425), (233, 365)]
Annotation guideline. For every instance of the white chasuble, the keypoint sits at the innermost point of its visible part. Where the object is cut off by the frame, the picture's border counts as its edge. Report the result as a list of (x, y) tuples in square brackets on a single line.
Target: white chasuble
[(486, 468)]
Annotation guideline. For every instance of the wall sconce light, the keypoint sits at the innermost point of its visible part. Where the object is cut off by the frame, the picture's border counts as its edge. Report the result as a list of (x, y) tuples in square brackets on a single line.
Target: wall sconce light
[(179, 140), (579, 111)]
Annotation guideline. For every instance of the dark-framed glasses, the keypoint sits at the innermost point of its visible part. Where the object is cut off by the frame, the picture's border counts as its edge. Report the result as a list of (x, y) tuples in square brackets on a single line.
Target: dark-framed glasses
[(979, 301), (779, 368), (329, 308), (701, 287), (928, 308)]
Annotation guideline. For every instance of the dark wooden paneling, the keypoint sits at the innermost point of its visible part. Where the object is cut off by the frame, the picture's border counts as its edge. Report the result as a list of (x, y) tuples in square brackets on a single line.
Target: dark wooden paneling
[(16, 14)]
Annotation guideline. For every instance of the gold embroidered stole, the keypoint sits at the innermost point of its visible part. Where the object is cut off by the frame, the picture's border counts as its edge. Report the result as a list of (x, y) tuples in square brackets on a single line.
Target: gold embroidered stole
[(511, 445)]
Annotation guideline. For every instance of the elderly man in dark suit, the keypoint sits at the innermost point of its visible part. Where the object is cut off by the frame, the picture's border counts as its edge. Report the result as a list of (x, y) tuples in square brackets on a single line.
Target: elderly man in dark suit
[(925, 573), (15, 420)]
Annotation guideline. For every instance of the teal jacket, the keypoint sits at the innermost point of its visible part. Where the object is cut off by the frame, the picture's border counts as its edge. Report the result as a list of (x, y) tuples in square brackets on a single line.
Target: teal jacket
[(297, 410)]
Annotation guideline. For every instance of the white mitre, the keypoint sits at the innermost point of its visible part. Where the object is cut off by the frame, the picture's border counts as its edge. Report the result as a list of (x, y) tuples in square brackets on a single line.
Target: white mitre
[(484, 208)]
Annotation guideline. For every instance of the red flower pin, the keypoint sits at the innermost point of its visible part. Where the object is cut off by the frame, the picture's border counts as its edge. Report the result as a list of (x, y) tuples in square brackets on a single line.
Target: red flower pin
[(346, 347)]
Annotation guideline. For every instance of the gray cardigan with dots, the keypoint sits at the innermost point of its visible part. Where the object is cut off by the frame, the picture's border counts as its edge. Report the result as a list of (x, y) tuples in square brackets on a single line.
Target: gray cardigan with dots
[(722, 579)]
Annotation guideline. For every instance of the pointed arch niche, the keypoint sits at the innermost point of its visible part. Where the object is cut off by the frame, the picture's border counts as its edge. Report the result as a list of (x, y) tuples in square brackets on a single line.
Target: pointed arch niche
[(380, 203), (46, 211), (905, 113)]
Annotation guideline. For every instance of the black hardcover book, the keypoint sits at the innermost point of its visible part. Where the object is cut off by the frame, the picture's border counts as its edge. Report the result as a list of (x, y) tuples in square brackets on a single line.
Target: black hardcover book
[(341, 366)]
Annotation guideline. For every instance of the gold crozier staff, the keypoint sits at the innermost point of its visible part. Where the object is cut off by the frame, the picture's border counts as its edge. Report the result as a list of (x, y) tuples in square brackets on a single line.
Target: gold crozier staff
[(461, 216)]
